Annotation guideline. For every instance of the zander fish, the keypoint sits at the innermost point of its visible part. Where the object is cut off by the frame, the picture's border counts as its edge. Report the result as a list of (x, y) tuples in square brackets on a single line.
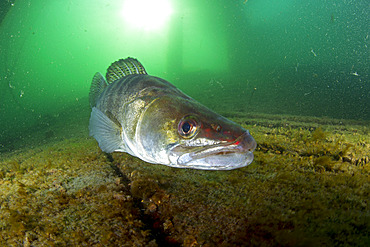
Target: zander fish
[(151, 119)]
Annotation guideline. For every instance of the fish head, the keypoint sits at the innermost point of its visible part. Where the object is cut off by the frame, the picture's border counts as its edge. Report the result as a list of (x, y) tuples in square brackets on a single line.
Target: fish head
[(183, 133)]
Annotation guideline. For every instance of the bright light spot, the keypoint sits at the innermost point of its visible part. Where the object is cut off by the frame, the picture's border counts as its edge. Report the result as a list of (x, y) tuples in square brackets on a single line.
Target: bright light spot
[(147, 14)]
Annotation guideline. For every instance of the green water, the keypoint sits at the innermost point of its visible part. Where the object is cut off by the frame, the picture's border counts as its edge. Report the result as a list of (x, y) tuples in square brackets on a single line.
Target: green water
[(282, 57)]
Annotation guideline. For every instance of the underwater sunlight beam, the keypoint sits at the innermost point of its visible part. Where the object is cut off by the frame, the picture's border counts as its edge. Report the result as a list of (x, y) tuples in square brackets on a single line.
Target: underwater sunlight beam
[(147, 15)]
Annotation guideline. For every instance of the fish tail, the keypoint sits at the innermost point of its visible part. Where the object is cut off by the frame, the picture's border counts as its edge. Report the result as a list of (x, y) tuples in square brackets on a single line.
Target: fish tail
[(124, 67)]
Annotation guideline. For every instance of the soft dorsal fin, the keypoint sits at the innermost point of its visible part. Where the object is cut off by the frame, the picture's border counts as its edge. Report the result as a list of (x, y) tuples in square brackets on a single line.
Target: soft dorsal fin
[(97, 86), (123, 67)]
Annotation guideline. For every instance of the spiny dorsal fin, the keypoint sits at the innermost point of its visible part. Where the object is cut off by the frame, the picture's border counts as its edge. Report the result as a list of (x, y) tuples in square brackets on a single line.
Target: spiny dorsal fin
[(123, 67), (97, 86)]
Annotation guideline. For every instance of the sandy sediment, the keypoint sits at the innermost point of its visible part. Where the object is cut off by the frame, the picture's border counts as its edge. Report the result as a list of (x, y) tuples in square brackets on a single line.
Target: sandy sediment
[(308, 185)]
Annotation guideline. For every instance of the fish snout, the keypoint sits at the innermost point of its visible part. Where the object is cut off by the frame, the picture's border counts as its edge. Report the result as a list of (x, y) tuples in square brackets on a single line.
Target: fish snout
[(245, 142)]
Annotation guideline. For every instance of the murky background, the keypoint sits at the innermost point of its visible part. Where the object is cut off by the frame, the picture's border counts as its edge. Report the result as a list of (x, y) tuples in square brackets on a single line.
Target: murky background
[(274, 56)]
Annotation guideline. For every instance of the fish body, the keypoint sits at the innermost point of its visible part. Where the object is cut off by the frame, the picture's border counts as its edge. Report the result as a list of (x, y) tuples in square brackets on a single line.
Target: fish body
[(151, 119)]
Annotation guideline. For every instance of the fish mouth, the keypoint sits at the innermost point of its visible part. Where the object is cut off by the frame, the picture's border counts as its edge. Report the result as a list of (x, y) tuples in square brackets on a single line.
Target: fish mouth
[(222, 156)]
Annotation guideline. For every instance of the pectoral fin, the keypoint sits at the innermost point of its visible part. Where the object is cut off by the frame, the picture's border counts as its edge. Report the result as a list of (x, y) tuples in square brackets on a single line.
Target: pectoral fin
[(106, 132)]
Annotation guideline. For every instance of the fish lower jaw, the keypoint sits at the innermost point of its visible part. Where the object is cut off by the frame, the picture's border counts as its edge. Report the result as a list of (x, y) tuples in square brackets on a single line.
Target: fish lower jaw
[(223, 160), (215, 157)]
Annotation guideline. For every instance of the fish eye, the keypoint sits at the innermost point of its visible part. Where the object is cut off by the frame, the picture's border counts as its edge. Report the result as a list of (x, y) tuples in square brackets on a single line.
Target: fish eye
[(188, 127)]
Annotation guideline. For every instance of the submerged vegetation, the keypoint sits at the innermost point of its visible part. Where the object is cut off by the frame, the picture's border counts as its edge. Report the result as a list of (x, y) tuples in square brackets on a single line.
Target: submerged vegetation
[(308, 185)]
